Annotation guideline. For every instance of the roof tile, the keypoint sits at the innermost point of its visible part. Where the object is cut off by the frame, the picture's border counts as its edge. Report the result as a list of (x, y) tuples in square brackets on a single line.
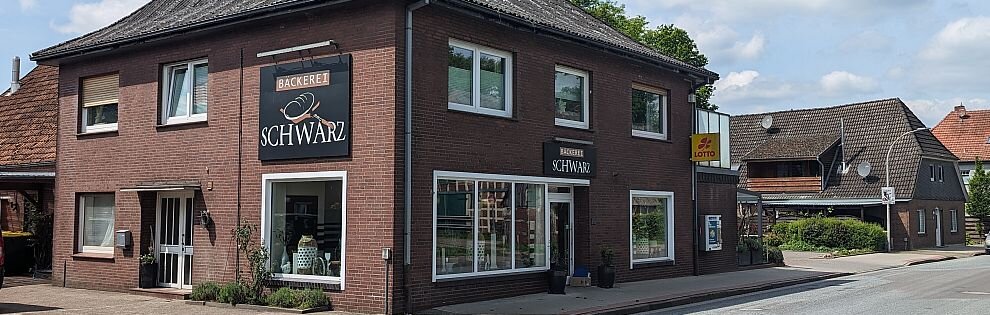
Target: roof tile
[(27, 135)]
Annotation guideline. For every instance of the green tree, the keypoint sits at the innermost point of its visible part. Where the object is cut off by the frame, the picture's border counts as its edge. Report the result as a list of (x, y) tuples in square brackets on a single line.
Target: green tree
[(666, 39), (979, 192)]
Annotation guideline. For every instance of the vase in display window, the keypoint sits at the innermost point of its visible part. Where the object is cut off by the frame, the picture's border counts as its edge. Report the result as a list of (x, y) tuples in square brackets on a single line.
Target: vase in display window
[(305, 254)]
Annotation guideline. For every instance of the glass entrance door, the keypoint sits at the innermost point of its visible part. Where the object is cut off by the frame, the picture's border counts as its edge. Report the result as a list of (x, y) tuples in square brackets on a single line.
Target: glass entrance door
[(174, 239), (560, 235)]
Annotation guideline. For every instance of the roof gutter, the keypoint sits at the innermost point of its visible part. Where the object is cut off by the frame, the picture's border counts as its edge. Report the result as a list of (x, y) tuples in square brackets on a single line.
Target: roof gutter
[(461, 6), (249, 16)]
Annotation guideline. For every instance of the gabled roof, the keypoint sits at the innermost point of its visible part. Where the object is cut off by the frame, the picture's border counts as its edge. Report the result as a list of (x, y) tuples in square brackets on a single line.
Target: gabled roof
[(161, 18), (869, 129), (29, 120), (966, 133), (792, 148)]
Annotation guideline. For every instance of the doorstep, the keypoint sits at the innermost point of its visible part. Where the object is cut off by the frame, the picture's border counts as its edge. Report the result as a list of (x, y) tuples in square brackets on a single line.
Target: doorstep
[(163, 293)]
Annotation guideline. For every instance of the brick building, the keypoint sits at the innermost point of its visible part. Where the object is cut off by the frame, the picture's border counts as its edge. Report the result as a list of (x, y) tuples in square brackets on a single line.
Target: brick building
[(554, 136), (967, 134), (807, 162)]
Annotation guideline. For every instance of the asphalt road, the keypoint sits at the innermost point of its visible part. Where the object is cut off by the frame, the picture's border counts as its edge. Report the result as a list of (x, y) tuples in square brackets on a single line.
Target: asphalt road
[(960, 286)]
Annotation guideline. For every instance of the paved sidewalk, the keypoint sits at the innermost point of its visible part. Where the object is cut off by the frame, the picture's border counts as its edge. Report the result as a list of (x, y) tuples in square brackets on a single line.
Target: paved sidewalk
[(634, 297), (47, 299), (872, 262)]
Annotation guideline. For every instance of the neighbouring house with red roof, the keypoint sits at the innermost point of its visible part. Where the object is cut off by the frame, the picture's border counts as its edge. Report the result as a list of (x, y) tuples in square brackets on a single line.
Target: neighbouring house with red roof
[(967, 134), (27, 159)]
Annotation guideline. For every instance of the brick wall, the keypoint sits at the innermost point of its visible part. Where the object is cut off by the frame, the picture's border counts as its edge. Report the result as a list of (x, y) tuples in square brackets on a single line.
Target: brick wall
[(450, 140), (907, 218), (208, 152)]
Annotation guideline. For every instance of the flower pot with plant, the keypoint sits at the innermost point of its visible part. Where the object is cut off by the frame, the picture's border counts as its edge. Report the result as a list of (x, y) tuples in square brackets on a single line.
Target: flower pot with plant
[(557, 276), (606, 271), (148, 272)]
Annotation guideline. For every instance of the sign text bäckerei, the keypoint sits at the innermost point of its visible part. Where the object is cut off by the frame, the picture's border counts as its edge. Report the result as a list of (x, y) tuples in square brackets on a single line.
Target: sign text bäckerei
[(567, 160), (305, 109)]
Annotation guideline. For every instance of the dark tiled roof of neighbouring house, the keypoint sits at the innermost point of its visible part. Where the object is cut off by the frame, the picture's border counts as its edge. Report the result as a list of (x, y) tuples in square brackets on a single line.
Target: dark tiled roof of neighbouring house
[(789, 148), (163, 17), (29, 121), (869, 128), (966, 133)]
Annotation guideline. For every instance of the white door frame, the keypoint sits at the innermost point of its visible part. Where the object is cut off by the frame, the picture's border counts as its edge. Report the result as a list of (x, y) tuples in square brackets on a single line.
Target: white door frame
[(567, 198), (938, 227), (183, 249)]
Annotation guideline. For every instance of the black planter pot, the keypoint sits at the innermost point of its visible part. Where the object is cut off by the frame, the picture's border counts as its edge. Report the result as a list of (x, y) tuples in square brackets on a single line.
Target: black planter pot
[(558, 281), (744, 258), (148, 275), (606, 276)]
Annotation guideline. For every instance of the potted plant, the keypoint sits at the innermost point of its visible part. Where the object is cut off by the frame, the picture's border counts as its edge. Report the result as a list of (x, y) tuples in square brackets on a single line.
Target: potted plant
[(742, 253), (557, 276), (606, 271), (148, 271)]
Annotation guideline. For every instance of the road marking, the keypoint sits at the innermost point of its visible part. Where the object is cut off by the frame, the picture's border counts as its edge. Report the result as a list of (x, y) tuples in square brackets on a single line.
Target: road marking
[(751, 309), (976, 293)]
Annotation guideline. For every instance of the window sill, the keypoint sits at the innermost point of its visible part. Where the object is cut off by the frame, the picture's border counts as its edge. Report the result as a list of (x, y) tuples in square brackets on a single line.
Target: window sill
[(97, 134), (472, 113), (489, 275), (586, 129), (102, 256), (652, 263), (650, 138), (922, 234), (183, 125)]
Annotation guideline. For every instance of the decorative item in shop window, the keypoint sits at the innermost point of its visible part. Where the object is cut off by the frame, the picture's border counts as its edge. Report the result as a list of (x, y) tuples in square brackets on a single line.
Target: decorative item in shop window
[(306, 252)]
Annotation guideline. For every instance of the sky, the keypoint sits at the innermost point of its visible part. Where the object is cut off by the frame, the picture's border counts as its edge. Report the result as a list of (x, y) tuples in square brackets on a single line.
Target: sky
[(771, 54)]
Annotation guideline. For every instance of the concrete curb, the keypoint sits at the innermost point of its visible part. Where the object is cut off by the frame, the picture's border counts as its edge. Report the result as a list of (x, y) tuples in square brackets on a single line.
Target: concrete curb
[(662, 303), (928, 260)]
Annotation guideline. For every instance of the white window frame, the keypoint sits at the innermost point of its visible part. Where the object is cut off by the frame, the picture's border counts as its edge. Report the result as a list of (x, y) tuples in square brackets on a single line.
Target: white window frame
[(670, 226), (922, 225), (167, 92), (663, 112), (81, 231), (586, 91), (954, 225), (267, 180), (98, 127), (513, 180), (941, 174), (931, 167), (476, 80)]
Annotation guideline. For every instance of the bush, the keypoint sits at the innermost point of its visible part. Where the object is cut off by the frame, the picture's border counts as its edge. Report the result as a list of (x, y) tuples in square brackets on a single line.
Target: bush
[(311, 298), (206, 291), (284, 297), (233, 293), (827, 234), (775, 256)]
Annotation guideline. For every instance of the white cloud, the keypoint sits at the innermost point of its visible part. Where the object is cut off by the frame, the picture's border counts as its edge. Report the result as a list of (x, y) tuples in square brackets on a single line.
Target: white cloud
[(760, 9), (88, 17), (931, 111), (955, 58), (27, 4), (721, 42), (748, 85), (841, 82)]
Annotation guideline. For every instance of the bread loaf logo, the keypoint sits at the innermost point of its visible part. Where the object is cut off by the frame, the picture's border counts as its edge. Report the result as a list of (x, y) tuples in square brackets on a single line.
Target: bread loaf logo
[(305, 125)]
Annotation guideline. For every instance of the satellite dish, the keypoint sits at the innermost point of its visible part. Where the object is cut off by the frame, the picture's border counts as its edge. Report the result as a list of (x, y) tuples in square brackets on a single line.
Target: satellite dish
[(767, 122), (864, 169)]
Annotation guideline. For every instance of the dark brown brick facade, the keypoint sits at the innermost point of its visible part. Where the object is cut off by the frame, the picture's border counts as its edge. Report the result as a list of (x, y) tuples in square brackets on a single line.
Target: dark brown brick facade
[(444, 140)]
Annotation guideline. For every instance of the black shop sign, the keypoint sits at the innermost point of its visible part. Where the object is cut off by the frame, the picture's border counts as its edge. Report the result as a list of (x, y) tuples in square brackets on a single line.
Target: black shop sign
[(569, 160), (305, 109)]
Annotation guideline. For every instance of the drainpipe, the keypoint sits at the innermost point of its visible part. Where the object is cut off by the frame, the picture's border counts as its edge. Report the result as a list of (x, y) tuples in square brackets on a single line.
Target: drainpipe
[(15, 75), (407, 156), (692, 99)]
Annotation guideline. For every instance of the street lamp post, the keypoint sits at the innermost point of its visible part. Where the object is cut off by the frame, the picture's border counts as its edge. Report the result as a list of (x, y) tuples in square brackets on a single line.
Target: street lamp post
[(887, 170)]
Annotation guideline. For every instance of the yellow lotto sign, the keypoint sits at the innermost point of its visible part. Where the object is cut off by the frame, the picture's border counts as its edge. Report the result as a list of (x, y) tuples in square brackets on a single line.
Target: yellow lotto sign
[(704, 147)]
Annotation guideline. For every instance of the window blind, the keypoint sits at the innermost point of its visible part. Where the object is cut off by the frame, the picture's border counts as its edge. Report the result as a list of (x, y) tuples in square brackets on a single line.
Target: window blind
[(101, 90)]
